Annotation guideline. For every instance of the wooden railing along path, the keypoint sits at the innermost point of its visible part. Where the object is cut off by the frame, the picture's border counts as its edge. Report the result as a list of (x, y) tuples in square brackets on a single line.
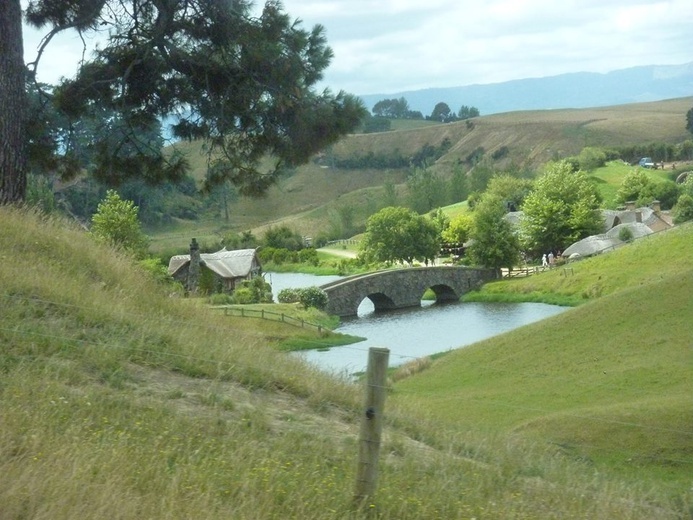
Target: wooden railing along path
[(269, 315)]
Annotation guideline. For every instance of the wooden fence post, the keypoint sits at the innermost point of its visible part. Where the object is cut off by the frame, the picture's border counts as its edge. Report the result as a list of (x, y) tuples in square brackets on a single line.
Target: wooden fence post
[(371, 425)]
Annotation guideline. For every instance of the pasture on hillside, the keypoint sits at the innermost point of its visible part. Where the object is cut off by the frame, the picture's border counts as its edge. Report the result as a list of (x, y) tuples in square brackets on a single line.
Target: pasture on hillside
[(311, 197)]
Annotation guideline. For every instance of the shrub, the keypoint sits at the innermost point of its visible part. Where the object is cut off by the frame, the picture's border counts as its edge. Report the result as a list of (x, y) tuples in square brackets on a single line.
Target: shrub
[(313, 297), (289, 295), (116, 223), (591, 158), (625, 234), (308, 297), (156, 268), (256, 290), (308, 256), (244, 296), (220, 299), (683, 211)]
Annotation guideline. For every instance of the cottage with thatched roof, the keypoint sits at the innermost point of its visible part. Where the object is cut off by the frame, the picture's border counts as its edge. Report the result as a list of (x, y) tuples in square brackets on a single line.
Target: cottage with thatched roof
[(220, 271), (638, 222)]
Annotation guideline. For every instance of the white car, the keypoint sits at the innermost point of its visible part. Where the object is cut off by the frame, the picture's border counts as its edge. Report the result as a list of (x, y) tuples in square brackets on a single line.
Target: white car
[(646, 162)]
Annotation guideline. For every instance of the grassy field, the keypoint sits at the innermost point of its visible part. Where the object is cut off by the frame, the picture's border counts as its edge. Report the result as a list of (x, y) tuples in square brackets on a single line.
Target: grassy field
[(120, 400), (592, 382), (610, 176), (635, 264)]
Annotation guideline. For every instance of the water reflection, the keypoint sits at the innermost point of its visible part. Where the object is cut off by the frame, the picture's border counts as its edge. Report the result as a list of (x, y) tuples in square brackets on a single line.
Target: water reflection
[(412, 333)]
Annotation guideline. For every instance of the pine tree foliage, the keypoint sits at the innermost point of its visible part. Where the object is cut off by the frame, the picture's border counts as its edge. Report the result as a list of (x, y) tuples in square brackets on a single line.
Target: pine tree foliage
[(244, 83)]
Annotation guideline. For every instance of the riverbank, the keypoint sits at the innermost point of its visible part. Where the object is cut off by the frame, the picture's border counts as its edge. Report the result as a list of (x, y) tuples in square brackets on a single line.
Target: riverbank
[(649, 258)]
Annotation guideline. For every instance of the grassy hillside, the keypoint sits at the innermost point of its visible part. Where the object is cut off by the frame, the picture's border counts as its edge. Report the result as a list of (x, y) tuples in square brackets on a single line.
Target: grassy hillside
[(535, 137), (310, 198), (120, 400), (637, 264), (608, 383)]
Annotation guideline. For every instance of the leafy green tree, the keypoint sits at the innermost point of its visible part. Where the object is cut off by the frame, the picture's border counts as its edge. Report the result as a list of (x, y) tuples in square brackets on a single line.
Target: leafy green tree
[(283, 237), (665, 191), (426, 190), (220, 197), (511, 190), (480, 175), (591, 158), (115, 222), (494, 243), (458, 188), (561, 209), (396, 234), (639, 187), (243, 83), (466, 112), (633, 185), (440, 219), (683, 210), (392, 108), (441, 112), (459, 230), (689, 120), (389, 193)]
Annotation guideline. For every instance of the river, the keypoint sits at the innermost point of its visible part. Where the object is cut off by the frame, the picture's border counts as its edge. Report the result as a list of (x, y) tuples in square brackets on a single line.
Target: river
[(416, 332)]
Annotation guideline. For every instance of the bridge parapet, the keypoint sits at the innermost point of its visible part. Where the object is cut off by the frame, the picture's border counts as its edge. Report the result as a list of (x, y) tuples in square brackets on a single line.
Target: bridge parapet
[(401, 288)]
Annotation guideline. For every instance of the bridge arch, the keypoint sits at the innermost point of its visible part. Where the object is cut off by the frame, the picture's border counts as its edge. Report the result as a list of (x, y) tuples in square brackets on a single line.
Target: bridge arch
[(401, 288)]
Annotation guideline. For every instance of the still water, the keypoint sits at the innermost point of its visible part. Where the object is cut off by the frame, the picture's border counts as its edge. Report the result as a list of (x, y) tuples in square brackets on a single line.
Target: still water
[(412, 333)]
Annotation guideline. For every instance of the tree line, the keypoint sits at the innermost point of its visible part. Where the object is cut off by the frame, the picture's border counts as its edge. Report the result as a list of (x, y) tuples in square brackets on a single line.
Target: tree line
[(386, 110), (559, 207)]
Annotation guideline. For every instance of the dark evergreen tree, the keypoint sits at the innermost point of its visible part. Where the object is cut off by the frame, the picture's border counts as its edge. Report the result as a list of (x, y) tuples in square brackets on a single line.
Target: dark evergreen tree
[(13, 156), (243, 84)]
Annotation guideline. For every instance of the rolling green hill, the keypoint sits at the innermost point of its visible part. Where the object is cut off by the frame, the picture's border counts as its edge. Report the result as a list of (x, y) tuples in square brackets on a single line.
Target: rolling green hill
[(311, 198), (609, 382), (121, 400)]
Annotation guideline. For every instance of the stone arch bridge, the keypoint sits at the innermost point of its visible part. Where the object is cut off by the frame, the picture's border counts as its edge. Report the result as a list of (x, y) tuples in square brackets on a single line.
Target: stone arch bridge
[(401, 288)]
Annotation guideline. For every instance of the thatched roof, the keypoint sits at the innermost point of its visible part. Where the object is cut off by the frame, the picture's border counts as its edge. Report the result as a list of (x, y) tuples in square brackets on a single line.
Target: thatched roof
[(592, 245), (637, 229), (227, 264)]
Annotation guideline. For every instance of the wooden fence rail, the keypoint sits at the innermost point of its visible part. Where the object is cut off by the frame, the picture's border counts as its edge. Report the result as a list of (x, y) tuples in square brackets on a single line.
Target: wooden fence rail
[(269, 315)]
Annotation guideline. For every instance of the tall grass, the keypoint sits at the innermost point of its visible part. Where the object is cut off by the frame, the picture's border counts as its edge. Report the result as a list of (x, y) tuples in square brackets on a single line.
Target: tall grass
[(119, 401)]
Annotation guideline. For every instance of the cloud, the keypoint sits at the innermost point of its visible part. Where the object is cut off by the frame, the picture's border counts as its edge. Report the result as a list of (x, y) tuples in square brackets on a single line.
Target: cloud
[(396, 45)]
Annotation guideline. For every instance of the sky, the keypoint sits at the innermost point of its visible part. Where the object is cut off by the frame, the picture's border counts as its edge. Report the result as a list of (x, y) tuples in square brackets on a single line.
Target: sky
[(392, 46)]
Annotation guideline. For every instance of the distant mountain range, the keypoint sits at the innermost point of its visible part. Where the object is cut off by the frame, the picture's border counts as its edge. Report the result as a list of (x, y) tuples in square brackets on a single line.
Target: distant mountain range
[(575, 90)]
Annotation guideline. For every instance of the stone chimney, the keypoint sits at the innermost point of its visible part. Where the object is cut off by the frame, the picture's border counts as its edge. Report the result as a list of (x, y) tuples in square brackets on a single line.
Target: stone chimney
[(193, 268), (656, 207), (638, 216), (630, 205)]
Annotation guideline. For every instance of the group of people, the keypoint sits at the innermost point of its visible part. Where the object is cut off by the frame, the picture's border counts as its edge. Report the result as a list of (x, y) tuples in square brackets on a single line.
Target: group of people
[(548, 260)]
